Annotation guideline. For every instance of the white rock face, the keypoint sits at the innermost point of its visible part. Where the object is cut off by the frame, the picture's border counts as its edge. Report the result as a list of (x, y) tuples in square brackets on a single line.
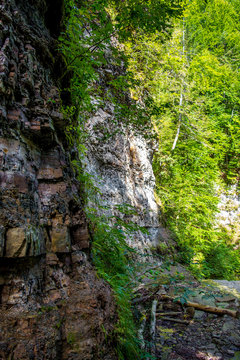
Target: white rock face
[(229, 212), (120, 163)]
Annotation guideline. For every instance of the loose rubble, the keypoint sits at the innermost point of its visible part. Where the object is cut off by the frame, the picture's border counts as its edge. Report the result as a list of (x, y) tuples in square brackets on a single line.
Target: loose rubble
[(183, 332)]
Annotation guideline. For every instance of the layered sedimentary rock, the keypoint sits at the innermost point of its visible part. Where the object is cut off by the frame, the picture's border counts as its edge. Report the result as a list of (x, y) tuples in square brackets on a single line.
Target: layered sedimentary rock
[(52, 305)]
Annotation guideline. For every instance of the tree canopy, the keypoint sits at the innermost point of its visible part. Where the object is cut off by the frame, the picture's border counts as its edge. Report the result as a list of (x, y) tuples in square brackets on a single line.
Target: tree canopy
[(193, 79)]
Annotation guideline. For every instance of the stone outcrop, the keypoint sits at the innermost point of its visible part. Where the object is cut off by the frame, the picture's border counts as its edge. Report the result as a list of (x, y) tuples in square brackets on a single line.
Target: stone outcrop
[(52, 305), (229, 213), (120, 162)]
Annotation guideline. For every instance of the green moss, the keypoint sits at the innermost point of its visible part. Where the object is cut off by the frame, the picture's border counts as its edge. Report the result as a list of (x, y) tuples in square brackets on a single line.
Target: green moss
[(46, 309), (71, 338)]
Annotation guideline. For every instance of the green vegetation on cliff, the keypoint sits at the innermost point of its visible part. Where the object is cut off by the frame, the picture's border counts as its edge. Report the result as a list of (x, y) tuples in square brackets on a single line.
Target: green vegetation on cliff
[(90, 44)]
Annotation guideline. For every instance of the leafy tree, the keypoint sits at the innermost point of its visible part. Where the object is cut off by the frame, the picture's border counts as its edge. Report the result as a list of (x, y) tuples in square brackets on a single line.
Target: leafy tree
[(193, 80)]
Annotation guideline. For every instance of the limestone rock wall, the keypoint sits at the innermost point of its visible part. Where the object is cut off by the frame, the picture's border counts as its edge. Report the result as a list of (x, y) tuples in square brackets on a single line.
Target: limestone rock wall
[(229, 213), (52, 305), (120, 162)]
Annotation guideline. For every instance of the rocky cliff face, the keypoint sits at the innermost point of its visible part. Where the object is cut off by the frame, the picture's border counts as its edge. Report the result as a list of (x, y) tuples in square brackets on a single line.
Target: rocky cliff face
[(52, 305), (121, 165), (229, 213)]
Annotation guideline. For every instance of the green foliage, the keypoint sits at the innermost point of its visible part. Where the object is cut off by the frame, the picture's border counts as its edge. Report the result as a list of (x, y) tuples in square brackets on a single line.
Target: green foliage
[(220, 261), (132, 16), (87, 33), (193, 81), (71, 338), (113, 260), (89, 30), (46, 308), (59, 324)]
